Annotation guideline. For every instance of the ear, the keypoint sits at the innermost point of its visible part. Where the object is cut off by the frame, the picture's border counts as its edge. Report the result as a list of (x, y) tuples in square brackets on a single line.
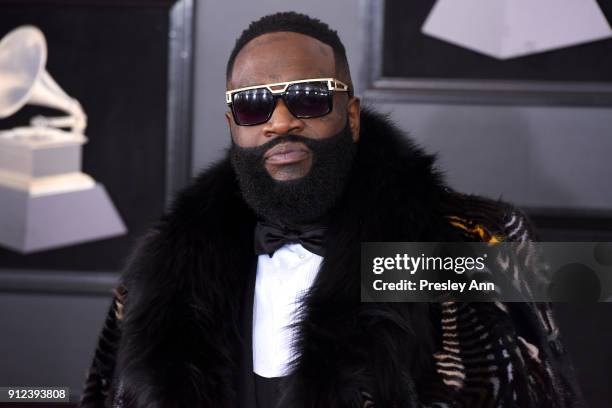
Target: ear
[(354, 115), (230, 119)]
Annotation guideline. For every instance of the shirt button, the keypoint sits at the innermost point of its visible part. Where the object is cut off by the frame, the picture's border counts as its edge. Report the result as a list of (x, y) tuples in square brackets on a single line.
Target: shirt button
[(301, 256)]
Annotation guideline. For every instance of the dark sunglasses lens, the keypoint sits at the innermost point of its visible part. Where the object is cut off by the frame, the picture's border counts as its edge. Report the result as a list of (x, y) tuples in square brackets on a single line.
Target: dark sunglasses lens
[(252, 106), (308, 99)]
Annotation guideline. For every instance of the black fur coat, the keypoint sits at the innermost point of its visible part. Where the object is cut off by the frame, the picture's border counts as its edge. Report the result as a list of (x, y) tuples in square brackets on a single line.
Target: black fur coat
[(172, 339)]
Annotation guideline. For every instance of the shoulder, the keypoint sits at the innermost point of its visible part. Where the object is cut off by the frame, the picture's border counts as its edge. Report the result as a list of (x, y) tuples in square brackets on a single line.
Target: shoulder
[(485, 219)]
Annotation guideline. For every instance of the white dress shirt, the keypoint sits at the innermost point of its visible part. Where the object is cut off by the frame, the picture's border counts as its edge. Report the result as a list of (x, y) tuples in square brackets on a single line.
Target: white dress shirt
[(281, 282)]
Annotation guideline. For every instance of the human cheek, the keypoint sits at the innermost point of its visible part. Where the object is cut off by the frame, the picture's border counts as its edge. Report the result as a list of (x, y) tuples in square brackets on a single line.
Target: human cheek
[(245, 136), (327, 125)]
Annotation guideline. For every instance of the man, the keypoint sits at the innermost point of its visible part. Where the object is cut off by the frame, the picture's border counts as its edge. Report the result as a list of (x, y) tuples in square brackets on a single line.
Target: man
[(247, 292)]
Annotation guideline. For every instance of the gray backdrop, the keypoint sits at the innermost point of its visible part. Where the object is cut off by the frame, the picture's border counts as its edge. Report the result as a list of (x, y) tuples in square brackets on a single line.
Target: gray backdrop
[(532, 155)]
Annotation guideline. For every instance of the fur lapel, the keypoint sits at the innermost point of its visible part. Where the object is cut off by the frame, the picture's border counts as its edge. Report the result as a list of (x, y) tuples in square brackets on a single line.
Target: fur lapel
[(180, 344)]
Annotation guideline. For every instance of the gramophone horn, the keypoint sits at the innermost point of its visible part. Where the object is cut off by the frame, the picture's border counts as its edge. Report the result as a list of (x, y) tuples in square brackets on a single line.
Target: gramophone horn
[(24, 80)]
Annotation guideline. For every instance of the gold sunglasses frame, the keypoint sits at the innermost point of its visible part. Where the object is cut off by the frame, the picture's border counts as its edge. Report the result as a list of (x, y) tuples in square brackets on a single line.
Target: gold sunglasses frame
[(333, 84)]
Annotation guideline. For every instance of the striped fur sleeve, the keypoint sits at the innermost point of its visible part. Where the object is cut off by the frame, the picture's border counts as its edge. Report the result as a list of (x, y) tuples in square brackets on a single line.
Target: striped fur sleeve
[(97, 391), (498, 354)]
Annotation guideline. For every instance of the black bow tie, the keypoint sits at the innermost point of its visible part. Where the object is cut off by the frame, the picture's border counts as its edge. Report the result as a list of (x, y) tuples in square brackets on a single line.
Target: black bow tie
[(269, 237)]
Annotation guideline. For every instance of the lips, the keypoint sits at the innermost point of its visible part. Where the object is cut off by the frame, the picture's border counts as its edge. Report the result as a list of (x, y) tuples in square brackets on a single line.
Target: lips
[(286, 153)]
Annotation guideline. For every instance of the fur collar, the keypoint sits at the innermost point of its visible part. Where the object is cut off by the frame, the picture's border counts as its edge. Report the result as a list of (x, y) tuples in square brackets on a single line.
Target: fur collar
[(180, 337)]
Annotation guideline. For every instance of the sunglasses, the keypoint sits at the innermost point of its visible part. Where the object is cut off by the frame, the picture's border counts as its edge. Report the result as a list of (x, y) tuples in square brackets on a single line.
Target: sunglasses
[(306, 98)]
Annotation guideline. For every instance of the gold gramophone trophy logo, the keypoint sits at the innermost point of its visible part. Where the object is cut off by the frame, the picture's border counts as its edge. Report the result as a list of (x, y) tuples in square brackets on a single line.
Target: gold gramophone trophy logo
[(46, 201)]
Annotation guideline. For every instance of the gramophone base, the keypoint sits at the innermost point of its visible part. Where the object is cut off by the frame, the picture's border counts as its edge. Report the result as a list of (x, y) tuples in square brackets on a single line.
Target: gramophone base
[(35, 223)]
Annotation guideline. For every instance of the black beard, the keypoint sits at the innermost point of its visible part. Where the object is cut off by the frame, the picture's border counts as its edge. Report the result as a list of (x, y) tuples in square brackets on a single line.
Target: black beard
[(307, 199)]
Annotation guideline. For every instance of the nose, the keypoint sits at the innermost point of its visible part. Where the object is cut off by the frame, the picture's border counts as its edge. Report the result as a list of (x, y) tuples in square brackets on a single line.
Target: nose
[(282, 122)]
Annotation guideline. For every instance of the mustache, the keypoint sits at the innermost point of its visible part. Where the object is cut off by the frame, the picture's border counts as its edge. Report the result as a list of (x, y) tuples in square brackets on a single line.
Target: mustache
[(260, 151)]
